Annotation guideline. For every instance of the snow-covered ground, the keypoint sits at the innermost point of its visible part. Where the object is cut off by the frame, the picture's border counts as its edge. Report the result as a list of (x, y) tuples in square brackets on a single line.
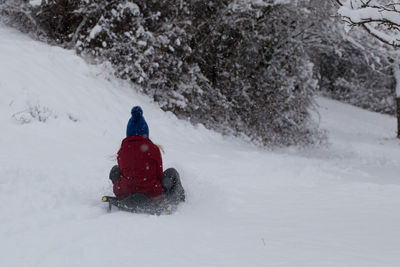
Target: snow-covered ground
[(335, 206)]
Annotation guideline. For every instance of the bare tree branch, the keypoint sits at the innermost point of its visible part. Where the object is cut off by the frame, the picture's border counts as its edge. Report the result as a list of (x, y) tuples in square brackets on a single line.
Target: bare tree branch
[(338, 2)]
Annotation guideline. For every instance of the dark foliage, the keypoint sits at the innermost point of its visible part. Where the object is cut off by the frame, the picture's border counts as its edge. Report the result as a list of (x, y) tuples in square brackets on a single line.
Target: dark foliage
[(352, 77)]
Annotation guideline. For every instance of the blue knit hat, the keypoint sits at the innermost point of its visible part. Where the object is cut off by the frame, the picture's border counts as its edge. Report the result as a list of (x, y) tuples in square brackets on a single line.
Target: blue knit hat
[(136, 124)]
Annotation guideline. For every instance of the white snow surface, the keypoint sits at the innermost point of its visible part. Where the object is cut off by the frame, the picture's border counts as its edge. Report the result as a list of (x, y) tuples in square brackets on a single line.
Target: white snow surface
[(333, 206)]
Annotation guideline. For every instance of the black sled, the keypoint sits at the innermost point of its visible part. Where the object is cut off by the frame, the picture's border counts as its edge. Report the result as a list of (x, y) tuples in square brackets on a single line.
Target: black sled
[(139, 203), (173, 194)]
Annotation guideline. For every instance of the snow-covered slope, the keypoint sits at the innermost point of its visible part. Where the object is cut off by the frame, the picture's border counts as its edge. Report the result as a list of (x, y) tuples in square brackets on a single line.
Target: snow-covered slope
[(334, 206)]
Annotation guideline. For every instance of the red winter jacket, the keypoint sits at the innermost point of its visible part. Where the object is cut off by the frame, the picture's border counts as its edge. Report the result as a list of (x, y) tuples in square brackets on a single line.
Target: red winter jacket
[(140, 163)]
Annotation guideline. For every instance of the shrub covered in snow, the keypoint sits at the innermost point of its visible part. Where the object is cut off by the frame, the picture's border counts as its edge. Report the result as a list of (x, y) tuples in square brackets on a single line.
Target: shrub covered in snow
[(240, 67)]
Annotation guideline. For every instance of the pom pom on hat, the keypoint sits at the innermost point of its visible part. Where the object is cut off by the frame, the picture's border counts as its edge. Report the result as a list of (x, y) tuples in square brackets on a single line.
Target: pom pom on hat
[(136, 113)]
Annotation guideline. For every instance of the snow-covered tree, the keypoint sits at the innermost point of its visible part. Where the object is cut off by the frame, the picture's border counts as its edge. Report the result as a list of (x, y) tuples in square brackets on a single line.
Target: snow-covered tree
[(348, 67), (255, 57), (381, 19)]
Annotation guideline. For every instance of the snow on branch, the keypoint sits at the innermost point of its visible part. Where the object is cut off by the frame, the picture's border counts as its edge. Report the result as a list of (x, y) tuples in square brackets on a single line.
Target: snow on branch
[(379, 18)]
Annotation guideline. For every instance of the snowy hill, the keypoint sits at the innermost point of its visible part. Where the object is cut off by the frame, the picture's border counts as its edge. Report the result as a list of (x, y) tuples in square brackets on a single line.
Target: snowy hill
[(63, 120)]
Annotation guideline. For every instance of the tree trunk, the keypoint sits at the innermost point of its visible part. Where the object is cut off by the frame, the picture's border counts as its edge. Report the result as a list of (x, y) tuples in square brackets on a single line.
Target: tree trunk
[(398, 116), (396, 73)]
